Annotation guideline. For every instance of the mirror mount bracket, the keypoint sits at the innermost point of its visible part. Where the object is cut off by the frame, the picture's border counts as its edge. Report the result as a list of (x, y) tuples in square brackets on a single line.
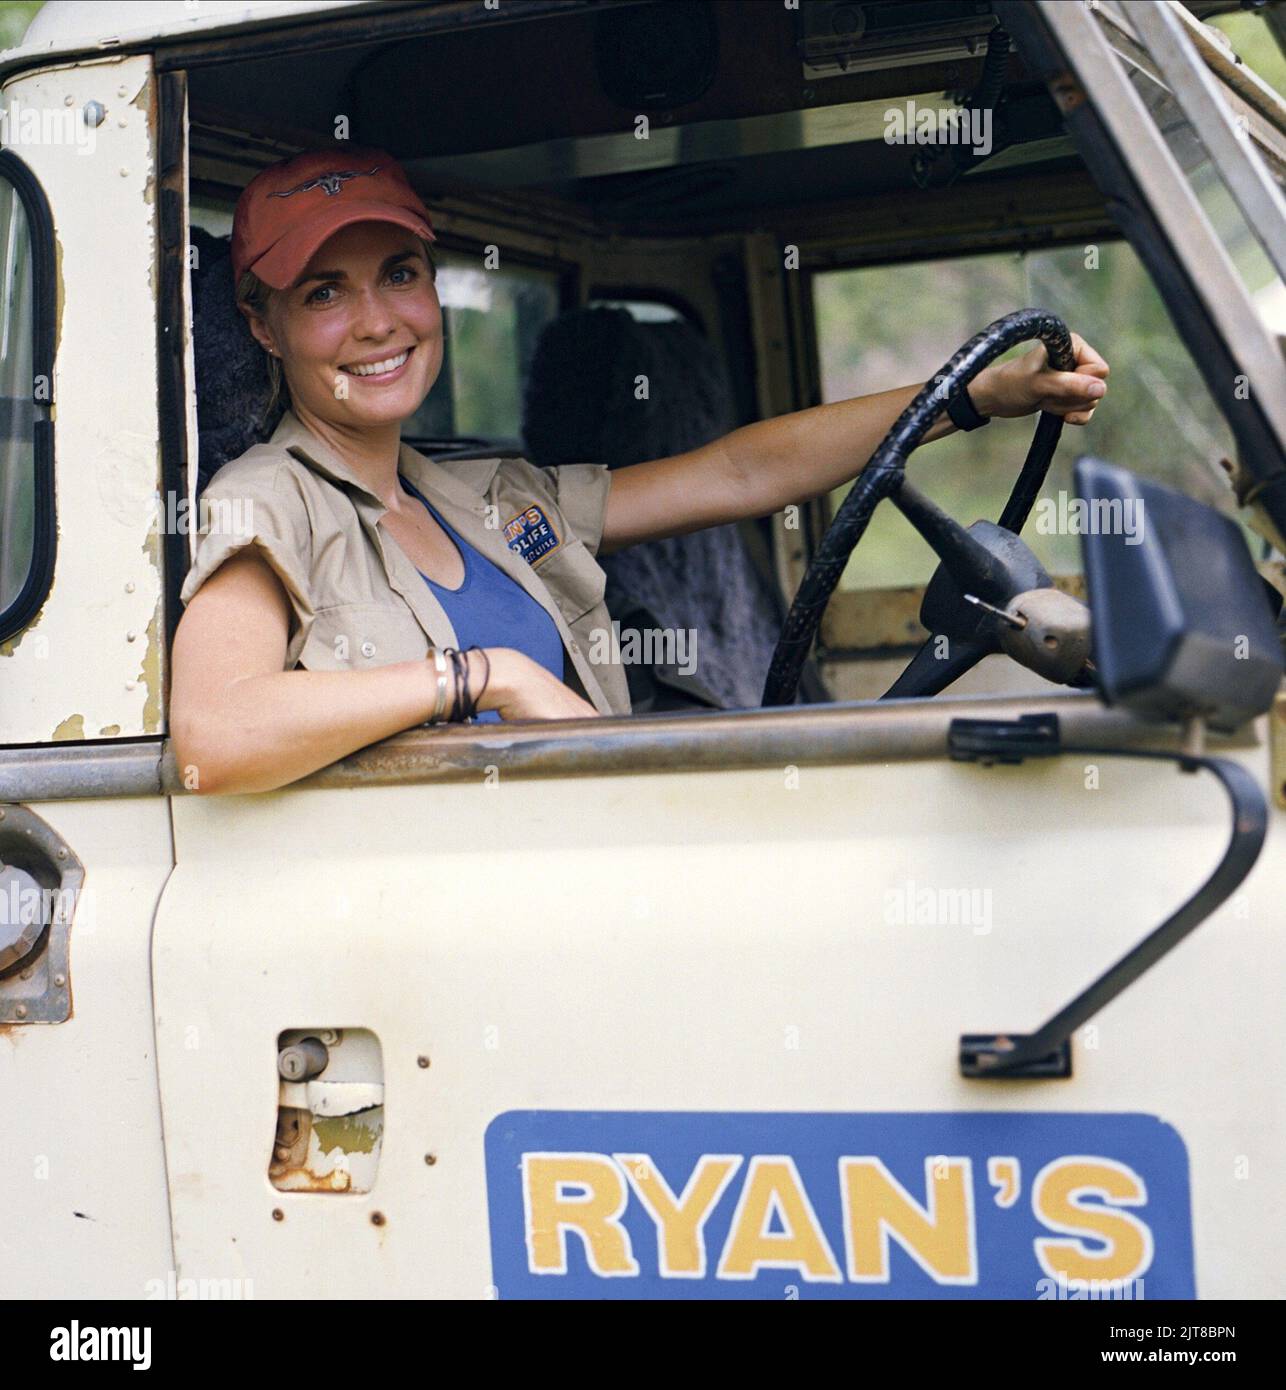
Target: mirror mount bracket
[(1047, 1053)]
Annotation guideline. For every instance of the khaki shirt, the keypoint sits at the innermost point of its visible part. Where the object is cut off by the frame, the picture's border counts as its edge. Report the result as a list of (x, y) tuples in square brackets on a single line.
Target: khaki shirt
[(358, 601)]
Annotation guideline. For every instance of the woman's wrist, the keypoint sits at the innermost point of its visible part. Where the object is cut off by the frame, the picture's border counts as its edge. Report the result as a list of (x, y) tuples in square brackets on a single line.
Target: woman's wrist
[(499, 684), (476, 680), (982, 392), (455, 679)]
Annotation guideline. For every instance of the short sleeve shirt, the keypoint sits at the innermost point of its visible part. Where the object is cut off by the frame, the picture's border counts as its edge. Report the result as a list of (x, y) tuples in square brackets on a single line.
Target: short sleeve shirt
[(356, 599)]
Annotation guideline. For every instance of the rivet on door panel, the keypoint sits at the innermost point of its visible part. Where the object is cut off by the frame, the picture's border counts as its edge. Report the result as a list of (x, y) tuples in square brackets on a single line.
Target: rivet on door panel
[(330, 1111)]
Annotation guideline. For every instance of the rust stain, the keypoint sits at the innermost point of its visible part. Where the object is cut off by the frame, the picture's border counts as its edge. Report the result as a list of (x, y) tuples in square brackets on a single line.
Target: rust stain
[(288, 1170), (149, 672), (351, 1133), (305, 1180)]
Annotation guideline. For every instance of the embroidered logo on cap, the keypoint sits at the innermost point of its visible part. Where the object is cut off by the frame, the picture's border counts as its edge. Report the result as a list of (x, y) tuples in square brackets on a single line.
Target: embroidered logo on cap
[(531, 534), (331, 183)]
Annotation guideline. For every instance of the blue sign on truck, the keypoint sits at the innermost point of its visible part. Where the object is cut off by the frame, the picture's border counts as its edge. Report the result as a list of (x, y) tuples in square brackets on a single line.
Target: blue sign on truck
[(953, 1205)]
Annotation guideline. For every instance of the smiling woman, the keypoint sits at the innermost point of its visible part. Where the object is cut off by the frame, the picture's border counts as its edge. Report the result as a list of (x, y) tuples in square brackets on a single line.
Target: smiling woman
[(313, 340), (368, 588), (254, 298)]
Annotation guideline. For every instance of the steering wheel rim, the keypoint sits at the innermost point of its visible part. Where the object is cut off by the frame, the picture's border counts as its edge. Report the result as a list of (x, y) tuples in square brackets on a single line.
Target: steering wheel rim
[(884, 476)]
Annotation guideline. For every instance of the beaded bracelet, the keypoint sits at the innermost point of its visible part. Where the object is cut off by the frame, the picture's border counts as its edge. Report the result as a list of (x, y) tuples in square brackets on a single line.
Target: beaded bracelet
[(463, 707), (486, 679)]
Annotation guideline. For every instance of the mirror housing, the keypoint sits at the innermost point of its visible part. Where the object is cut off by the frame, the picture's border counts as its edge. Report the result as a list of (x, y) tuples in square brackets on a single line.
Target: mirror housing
[(1181, 623)]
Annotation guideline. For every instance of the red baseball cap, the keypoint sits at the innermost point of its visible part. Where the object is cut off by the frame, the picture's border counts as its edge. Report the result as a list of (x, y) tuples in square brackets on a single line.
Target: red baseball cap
[(288, 210)]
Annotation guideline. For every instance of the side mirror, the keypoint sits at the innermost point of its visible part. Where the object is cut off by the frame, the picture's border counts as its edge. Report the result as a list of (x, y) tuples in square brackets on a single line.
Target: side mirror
[(1181, 624)]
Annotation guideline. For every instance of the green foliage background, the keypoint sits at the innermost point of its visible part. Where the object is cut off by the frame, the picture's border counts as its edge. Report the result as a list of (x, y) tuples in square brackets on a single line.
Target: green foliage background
[(14, 19)]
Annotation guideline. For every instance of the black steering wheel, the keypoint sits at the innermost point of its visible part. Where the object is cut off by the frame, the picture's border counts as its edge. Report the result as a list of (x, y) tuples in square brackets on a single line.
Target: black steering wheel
[(990, 593)]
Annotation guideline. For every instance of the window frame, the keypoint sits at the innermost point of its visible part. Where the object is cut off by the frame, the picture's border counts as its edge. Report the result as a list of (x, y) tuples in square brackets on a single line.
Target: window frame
[(40, 573), (566, 275)]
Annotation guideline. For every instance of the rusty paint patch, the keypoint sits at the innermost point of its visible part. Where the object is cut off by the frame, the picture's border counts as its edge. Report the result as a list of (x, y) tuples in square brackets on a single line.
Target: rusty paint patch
[(72, 728), (149, 671), (338, 1154), (11, 644), (350, 1133)]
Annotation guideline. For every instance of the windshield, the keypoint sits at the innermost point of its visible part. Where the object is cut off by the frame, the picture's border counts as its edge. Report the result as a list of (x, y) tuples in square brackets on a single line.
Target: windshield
[(1259, 116), (880, 324)]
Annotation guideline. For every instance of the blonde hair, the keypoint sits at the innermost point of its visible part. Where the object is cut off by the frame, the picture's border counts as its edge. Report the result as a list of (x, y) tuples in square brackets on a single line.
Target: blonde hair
[(255, 295)]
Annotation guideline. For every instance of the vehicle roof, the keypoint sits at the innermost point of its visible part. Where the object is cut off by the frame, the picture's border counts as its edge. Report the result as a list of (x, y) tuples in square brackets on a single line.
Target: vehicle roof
[(72, 26)]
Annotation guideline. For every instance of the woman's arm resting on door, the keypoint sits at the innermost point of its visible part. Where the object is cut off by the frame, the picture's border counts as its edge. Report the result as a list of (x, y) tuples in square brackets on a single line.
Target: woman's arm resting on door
[(240, 723)]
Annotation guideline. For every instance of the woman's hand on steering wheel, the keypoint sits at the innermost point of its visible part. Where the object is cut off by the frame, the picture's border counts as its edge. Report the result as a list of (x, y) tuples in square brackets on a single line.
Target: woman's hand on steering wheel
[(1029, 383)]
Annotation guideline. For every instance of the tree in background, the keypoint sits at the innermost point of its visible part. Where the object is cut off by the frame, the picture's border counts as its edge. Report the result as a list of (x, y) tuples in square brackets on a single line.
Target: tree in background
[(14, 18)]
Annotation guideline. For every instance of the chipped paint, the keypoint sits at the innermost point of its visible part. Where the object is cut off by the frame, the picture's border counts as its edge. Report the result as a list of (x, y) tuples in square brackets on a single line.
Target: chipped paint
[(338, 1154), (11, 644), (150, 675), (109, 730), (72, 728), (354, 1134), (332, 1098)]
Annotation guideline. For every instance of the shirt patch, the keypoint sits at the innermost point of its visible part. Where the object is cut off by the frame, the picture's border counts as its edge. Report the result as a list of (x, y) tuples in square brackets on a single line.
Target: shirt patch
[(531, 534)]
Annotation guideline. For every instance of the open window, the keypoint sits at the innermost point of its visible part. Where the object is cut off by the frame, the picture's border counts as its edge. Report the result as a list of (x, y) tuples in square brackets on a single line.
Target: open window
[(1180, 412), (494, 308), (876, 320), (752, 189)]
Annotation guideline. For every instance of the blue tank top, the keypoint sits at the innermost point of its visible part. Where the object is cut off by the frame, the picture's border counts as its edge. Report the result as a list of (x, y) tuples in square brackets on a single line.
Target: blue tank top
[(491, 610)]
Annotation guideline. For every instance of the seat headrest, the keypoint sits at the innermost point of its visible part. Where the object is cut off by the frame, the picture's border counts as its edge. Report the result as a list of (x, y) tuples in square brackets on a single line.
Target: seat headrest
[(585, 401)]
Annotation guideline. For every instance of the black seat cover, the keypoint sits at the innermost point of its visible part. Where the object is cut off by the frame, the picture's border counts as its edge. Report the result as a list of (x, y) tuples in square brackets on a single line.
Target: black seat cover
[(232, 385), (583, 405)]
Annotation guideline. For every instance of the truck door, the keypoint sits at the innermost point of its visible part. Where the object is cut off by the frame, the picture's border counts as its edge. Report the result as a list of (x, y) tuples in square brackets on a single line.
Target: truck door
[(84, 847), (558, 978)]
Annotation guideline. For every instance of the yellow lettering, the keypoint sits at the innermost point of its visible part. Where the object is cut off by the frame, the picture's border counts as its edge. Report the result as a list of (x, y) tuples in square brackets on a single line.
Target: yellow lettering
[(680, 1221), (773, 1185), (1056, 1200), (593, 1214), (940, 1239)]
